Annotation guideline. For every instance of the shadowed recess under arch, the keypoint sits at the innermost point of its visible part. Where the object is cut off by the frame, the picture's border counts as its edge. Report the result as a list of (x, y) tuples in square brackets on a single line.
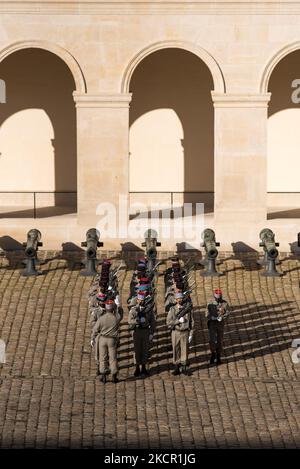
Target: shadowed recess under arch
[(172, 84), (40, 84), (283, 126)]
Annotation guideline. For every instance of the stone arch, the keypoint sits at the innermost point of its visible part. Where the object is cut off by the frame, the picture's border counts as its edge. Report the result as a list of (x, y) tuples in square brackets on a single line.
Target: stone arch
[(282, 131), (273, 62), (62, 53), (171, 124), (218, 79), (45, 101)]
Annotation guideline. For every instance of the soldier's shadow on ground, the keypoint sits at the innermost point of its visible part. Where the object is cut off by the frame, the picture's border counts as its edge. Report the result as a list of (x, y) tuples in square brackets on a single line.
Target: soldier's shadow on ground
[(253, 330)]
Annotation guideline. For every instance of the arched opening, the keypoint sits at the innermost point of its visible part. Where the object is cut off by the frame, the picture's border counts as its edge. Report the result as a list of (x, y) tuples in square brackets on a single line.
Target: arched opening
[(172, 129), (283, 160), (37, 135)]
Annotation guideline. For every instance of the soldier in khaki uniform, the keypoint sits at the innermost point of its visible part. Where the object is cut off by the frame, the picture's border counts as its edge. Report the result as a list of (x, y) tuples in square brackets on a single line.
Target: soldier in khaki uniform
[(141, 321), (182, 333), (105, 339), (98, 309), (217, 312)]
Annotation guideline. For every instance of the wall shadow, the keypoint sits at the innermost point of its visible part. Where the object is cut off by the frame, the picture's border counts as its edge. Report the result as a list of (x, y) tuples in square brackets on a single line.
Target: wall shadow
[(246, 255), (284, 137), (178, 81), (285, 72), (43, 212), (291, 213), (130, 253), (73, 255), (13, 251)]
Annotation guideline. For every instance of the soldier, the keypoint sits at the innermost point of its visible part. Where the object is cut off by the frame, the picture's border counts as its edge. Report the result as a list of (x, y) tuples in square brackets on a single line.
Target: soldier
[(140, 289), (105, 338), (182, 326), (98, 309), (170, 297), (217, 311), (141, 321)]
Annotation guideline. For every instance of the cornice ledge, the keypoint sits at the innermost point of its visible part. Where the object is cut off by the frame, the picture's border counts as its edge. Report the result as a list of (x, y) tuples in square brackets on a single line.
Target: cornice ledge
[(254, 100), (164, 7), (121, 100)]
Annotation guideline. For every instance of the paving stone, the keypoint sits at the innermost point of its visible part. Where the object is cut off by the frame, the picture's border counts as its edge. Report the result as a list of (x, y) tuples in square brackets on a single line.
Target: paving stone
[(50, 398)]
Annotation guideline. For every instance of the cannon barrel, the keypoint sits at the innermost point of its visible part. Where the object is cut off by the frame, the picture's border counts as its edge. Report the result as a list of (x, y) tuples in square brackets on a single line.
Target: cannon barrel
[(151, 243), (211, 250), (151, 250), (267, 238), (92, 243), (209, 243), (33, 241)]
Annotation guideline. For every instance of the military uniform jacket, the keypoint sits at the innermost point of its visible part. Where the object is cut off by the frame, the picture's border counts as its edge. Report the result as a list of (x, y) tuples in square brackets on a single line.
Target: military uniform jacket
[(132, 302), (213, 309), (133, 319), (173, 322), (170, 290), (108, 324), (93, 302), (95, 314)]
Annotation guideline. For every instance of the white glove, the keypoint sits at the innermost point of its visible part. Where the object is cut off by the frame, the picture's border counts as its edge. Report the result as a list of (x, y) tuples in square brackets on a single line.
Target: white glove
[(117, 300), (181, 319), (92, 343), (150, 337), (190, 338), (142, 320)]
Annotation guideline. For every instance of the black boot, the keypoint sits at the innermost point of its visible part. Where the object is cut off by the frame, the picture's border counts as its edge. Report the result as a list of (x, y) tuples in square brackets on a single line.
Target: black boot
[(219, 361), (212, 358), (137, 371), (176, 371), (185, 370), (102, 378), (114, 378), (144, 371)]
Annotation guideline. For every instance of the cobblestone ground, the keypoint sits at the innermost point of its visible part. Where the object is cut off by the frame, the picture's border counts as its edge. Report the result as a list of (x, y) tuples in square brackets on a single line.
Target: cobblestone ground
[(49, 396)]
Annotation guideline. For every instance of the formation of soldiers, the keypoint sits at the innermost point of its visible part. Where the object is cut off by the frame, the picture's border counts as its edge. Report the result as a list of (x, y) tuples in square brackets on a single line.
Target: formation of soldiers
[(142, 314), (106, 314), (180, 318)]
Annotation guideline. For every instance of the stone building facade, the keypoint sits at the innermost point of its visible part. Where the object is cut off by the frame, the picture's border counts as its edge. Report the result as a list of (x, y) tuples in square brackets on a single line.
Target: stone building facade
[(157, 101)]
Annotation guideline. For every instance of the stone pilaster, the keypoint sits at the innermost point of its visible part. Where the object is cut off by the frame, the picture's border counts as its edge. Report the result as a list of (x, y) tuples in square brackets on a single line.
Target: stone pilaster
[(240, 157), (102, 148)]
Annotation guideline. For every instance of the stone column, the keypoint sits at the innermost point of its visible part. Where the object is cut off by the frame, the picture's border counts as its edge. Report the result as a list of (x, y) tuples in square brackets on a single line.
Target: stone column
[(240, 158), (102, 152)]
